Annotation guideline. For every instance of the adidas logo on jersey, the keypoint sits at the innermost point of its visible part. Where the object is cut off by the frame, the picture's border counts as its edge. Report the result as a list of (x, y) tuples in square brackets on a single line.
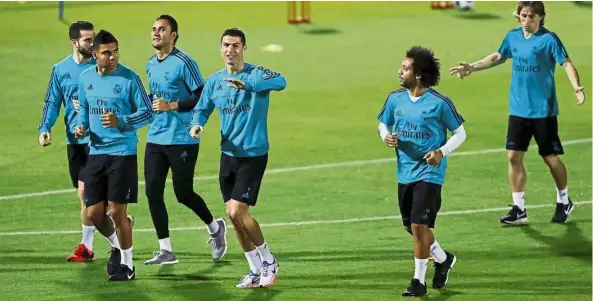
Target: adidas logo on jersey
[(219, 88), (90, 87)]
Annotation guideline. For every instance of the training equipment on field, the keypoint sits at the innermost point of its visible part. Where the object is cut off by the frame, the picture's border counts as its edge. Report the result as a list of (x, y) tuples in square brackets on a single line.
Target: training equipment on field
[(296, 16), (463, 5)]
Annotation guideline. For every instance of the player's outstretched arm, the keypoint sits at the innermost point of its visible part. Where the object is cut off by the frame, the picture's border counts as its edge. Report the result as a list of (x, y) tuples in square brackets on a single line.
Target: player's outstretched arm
[(261, 80), (464, 69), (573, 76)]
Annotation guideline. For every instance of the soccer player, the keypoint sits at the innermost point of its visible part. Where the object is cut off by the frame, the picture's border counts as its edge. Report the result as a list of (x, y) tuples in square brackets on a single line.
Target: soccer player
[(113, 105), (533, 108), (241, 94), (63, 90), (175, 85), (420, 118)]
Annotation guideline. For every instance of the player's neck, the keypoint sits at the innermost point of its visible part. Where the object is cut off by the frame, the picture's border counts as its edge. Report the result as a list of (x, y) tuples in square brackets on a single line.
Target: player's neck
[(163, 53), (79, 58), (417, 91), (234, 69), (528, 34), (105, 71)]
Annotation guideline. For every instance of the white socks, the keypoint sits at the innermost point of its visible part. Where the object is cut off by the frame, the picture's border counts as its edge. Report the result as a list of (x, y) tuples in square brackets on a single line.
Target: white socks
[(437, 252), (113, 241), (265, 253), (213, 227), (420, 271), (518, 200), (165, 244), (562, 196), (254, 261), (126, 258), (88, 233)]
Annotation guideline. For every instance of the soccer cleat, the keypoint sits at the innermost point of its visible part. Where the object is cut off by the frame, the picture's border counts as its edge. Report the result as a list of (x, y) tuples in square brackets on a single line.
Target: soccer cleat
[(562, 212), (515, 216), (269, 273), (81, 254), (114, 261), (218, 241), (162, 257), (123, 273), (249, 281), (441, 271), (416, 289)]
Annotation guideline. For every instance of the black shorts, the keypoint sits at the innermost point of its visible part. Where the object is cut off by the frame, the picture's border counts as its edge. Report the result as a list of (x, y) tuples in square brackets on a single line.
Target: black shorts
[(111, 178), (241, 178), (77, 157), (544, 130), (419, 202)]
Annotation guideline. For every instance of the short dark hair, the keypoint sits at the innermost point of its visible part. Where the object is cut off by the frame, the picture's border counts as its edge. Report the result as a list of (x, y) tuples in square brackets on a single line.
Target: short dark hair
[(425, 65), (76, 27), (234, 32), (103, 37), (537, 7), (173, 23)]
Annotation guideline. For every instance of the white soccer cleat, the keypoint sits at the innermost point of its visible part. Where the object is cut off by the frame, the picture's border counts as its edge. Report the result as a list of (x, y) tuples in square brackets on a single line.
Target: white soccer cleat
[(269, 273), (249, 281)]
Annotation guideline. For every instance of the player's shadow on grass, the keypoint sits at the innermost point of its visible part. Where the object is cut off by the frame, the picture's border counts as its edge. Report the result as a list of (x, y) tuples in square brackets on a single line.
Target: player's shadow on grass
[(587, 4), (342, 256), (261, 294), (93, 284), (572, 244), (470, 15), (443, 294), (312, 29)]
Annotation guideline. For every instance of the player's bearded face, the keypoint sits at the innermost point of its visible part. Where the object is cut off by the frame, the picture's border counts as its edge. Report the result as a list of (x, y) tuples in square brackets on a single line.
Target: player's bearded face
[(107, 56), (406, 74), (232, 49), (529, 20), (84, 45)]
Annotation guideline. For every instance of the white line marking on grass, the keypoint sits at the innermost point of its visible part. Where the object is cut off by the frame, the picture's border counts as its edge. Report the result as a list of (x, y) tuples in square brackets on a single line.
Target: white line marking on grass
[(293, 169), (303, 223)]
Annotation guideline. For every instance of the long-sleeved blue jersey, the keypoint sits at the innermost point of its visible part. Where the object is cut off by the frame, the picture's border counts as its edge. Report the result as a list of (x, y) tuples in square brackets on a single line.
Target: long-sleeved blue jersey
[(243, 112), (122, 94), (61, 90), (173, 79)]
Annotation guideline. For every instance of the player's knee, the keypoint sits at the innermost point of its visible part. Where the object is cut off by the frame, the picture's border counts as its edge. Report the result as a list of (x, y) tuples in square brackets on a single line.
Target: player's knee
[(235, 213), (418, 230), (515, 158), (94, 215), (551, 160)]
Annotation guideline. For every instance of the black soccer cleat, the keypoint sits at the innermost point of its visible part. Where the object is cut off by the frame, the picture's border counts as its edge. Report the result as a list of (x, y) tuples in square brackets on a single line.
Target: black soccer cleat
[(441, 271), (416, 289), (515, 216), (123, 273), (562, 212), (114, 261)]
